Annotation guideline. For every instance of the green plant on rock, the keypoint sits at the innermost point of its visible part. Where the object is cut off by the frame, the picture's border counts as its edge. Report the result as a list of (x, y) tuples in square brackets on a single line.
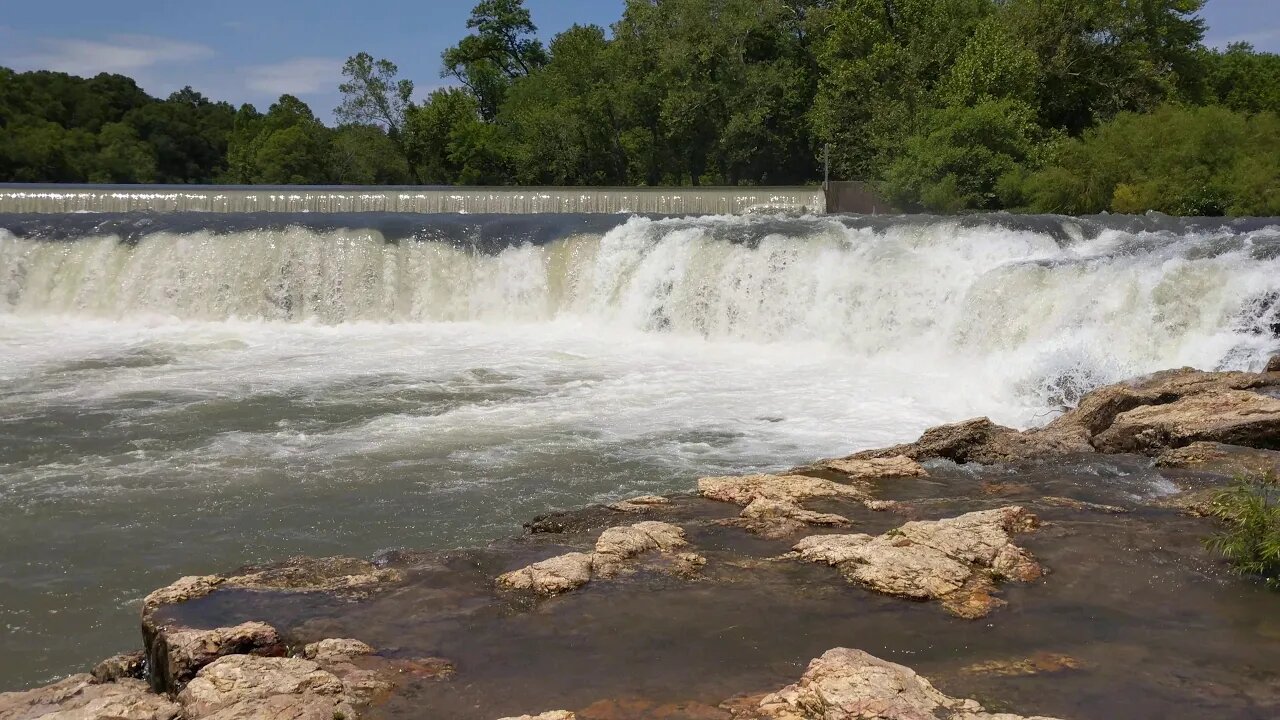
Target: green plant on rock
[(1250, 538)]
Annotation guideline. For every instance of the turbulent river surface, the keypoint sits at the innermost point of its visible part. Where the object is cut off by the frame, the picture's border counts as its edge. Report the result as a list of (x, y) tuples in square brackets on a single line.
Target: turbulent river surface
[(188, 393)]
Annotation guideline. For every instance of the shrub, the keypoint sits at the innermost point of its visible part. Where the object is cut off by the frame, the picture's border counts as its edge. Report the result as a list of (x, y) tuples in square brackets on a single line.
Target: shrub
[(1250, 538)]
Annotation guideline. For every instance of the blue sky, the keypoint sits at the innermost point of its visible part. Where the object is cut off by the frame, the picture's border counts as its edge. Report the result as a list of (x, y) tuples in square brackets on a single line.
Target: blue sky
[(245, 51)]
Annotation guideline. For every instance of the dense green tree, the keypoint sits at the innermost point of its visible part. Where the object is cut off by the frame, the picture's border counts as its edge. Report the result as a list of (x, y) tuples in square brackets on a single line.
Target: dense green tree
[(501, 50), (949, 105), (1181, 161), (439, 134), (963, 155), (365, 155), (1244, 80), (287, 146), (1103, 57), (565, 122)]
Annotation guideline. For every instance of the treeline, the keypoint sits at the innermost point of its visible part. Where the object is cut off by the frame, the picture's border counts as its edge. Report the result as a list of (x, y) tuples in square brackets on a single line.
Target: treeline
[(949, 105)]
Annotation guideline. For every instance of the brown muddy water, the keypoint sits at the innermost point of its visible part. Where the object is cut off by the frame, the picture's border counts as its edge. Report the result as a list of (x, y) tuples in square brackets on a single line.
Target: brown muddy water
[(1155, 626)]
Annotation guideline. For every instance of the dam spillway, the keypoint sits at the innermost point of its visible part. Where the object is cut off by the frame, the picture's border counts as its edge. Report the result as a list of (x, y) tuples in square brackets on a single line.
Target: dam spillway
[(505, 200)]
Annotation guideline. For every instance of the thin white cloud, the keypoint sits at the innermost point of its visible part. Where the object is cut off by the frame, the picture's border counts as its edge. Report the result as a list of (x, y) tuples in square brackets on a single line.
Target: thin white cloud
[(296, 76), (124, 54)]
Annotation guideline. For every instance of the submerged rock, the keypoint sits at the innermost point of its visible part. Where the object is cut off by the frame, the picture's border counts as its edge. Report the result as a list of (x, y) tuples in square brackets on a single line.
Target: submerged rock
[(1037, 664), (1221, 459), (846, 684), (614, 548), (82, 697), (955, 561), (644, 503)]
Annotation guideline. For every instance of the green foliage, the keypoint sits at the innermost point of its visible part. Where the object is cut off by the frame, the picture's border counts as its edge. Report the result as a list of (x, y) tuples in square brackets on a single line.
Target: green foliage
[(501, 50), (1244, 80), (1181, 161), (1250, 540), (1073, 106), (960, 156)]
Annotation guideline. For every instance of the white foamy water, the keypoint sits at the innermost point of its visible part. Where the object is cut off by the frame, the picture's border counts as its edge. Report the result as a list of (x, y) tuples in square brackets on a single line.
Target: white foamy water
[(202, 399)]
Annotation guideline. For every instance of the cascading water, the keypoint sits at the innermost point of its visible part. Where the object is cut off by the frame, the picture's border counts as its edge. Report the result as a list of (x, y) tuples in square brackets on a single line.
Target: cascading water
[(186, 393), (1056, 305)]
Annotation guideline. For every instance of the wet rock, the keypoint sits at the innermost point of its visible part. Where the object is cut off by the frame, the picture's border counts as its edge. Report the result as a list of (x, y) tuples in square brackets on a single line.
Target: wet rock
[(336, 649), (972, 441), (644, 503), (550, 577), (1037, 664), (615, 547), (553, 715), (244, 687), (1237, 417), (176, 654), (340, 575), (182, 590), (742, 490), (1221, 459), (776, 519), (1273, 365), (1192, 503), (877, 467), (847, 684), (764, 509), (82, 697), (1167, 409), (955, 560), (120, 667)]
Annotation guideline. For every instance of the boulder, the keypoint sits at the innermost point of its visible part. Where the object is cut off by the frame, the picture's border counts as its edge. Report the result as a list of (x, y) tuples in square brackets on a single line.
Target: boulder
[(82, 697), (119, 667), (1236, 417), (955, 561), (550, 577), (336, 650), (176, 654), (1273, 365), (553, 715), (741, 490), (777, 519), (846, 684), (614, 549), (876, 468), (1149, 414), (243, 687)]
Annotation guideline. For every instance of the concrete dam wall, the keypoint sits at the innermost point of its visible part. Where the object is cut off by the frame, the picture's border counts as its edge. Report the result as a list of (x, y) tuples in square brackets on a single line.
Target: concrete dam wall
[(508, 200)]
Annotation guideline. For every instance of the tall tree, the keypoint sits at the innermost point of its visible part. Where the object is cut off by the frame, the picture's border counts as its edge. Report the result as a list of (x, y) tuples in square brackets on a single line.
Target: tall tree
[(501, 49)]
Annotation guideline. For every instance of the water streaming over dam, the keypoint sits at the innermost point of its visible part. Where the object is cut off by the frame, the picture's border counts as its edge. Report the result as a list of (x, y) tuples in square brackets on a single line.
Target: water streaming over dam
[(513, 200), (187, 392)]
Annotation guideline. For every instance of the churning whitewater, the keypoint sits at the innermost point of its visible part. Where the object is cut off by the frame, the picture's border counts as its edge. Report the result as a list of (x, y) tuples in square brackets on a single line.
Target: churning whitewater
[(186, 393)]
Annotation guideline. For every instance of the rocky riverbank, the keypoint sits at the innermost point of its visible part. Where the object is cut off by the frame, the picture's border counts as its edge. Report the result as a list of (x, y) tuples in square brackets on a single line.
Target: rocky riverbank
[(1053, 572)]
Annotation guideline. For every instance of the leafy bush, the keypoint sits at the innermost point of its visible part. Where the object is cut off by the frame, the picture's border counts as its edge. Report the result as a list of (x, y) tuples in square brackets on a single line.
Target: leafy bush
[(1250, 540)]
